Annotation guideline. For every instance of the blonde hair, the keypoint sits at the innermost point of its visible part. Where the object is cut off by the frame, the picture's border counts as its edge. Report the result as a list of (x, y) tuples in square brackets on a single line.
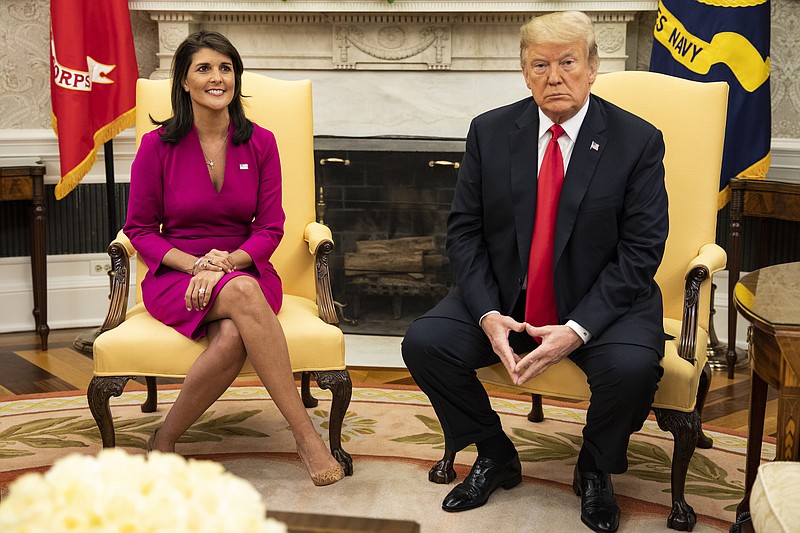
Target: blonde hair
[(561, 27)]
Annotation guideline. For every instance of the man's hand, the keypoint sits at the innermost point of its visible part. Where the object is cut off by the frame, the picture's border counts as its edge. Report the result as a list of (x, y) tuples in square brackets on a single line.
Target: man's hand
[(557, 343), (497, 327)]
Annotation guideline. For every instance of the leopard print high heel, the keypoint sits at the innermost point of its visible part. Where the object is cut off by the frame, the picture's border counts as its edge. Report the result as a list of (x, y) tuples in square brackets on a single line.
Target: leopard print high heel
[(328, 477)]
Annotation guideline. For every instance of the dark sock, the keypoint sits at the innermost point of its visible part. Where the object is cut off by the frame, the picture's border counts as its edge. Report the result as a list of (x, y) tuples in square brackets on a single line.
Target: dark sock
[(586, 461), (498, 448)]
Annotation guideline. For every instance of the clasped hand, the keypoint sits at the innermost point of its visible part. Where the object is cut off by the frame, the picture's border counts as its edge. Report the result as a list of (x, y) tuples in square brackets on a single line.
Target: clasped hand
[(207, 272), (215, 261), (557, 342)]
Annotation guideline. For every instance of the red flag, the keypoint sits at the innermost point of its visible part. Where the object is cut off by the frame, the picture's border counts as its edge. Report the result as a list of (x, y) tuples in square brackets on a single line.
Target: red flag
[(92, 80)]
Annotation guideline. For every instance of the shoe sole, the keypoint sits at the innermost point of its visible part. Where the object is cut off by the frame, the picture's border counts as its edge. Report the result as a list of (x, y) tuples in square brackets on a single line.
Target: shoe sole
[(509, 484)]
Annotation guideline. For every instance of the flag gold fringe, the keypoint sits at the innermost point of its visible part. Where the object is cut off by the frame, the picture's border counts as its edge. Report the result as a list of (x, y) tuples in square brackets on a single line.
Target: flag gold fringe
[(756, 171), (72, 178)]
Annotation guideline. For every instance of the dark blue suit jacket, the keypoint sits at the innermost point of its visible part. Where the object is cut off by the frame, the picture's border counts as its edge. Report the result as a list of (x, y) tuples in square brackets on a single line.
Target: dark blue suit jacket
[(610, 232)]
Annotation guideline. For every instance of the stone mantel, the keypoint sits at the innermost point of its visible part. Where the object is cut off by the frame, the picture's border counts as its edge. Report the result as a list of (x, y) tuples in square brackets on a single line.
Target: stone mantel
[(410, 68)]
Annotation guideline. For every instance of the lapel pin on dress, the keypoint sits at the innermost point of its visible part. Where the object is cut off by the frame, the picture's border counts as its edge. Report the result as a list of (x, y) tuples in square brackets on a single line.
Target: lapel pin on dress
[(243, 166)]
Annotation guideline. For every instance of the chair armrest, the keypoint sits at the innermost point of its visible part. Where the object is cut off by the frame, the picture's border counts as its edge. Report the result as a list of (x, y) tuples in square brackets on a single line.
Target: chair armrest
[(316, 234), (120, 250), (710, 258), (320, 245)]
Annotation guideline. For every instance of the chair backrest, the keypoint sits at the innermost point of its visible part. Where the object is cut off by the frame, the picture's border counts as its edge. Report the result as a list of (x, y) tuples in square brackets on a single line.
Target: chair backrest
[(691, 115), (283, 107)]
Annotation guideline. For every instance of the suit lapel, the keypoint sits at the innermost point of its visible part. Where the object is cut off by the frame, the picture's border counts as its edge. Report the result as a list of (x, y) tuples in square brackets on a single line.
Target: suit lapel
[(523, 143), (585, 155)]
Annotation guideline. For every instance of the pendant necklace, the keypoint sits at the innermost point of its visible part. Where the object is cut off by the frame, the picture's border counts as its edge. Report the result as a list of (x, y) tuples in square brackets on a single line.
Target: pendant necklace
[(210, 160)]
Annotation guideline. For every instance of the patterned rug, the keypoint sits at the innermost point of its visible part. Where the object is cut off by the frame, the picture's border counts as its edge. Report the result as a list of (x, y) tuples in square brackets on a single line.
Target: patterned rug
[(394, 437)]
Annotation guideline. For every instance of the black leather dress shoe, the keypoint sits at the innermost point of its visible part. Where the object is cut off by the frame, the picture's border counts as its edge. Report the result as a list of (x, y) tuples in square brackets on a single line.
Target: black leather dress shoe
[(599, 508), (486, 475)]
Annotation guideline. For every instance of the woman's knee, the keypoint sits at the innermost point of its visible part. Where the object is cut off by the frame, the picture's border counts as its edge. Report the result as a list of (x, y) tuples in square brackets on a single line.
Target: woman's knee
[(242, 293), (224, 337)]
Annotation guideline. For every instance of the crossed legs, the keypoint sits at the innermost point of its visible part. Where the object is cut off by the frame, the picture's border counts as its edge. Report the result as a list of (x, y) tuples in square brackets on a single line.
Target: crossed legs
[(240, 325)]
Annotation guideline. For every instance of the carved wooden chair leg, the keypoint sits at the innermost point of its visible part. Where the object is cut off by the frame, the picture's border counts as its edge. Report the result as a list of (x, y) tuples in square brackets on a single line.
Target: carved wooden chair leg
[(99, 392), (338, 382), (305, 390), (704, 442), (685, 428), (537, 411), (442, 472), (151, 403)]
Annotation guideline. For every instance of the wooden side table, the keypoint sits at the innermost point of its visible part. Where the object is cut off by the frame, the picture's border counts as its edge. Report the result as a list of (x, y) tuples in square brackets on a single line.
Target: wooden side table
[(754, 198), (768, 298), (323, 523), (23, 179)]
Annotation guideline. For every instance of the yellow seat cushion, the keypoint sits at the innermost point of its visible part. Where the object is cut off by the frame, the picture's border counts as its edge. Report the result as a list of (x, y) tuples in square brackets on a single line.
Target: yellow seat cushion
[(676, 390), (773, 499), (143, 346)]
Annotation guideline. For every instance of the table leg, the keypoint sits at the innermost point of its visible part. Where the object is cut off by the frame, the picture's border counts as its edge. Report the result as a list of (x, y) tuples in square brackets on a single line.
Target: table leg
[(39, 260), (755, 432), (734, 261), (788, 414)]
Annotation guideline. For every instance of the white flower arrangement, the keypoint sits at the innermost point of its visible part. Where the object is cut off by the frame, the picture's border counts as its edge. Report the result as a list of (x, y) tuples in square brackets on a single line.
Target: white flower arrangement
[(121, 493)]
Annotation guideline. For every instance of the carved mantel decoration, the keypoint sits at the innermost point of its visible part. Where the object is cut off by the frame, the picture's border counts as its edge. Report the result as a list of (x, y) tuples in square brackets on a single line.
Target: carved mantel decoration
[(408, 43)]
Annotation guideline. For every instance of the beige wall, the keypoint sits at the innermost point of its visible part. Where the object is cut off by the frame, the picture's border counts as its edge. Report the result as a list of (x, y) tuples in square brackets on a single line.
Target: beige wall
[(24, 62)]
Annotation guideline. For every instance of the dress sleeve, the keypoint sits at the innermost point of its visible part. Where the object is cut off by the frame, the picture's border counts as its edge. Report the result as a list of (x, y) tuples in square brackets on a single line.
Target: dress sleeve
[(146, 204), (267, 227)]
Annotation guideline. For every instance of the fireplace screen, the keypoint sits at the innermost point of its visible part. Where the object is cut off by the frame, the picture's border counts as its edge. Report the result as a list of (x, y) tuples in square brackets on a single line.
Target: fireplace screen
[(387, 209)]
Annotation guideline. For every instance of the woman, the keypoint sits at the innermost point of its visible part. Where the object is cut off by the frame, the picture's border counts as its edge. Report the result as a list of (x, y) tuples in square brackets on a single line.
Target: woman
[(205, 214)]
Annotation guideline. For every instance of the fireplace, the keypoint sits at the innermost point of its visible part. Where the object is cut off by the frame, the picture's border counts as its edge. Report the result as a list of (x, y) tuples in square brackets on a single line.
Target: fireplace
[(386, 201)]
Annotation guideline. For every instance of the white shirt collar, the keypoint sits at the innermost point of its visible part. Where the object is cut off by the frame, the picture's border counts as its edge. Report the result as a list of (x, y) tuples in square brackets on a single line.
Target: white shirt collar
[(571, 126)]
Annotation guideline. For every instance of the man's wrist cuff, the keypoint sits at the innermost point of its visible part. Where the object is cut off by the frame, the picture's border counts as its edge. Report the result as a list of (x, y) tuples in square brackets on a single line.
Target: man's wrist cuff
[(581, 331)]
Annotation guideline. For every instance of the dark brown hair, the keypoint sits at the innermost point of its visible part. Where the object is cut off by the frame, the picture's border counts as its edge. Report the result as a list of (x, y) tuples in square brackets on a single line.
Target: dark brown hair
[(176, 127)]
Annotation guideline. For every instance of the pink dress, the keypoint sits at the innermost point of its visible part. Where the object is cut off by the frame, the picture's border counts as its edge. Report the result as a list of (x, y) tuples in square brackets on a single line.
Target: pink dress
[(172, 190)]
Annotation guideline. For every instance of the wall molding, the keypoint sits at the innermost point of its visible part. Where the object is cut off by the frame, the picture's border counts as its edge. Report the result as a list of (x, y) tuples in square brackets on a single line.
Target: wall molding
[(75, 298), (785, 160), (42, 143)]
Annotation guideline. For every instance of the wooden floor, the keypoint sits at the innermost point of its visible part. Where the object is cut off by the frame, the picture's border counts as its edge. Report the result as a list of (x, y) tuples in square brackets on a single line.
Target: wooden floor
[(25, 369)]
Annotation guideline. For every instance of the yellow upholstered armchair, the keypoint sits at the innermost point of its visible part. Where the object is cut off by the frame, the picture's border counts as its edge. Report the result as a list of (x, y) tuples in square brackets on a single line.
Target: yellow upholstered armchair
[(691, 115), (132, 343)]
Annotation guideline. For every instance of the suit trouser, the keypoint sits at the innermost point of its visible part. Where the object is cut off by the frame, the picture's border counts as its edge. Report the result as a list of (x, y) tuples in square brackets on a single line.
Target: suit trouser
[(443, 353)]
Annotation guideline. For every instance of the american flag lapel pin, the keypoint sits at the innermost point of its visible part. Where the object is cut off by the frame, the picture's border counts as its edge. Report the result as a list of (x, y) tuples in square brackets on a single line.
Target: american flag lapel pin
[(595, 146)]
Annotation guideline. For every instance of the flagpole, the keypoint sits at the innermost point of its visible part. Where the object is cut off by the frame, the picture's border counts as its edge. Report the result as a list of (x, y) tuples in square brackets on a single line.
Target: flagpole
[(111, 196), (85, 340)]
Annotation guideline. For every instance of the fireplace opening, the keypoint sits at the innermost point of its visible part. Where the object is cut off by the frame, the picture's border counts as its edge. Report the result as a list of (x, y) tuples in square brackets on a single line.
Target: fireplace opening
[(386, 201)]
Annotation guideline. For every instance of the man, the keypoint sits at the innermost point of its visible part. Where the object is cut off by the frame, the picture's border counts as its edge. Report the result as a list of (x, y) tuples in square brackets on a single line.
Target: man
[(554, 270)]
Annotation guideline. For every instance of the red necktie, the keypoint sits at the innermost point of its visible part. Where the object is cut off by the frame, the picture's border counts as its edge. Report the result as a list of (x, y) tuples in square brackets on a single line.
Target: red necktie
[(540, 304)]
